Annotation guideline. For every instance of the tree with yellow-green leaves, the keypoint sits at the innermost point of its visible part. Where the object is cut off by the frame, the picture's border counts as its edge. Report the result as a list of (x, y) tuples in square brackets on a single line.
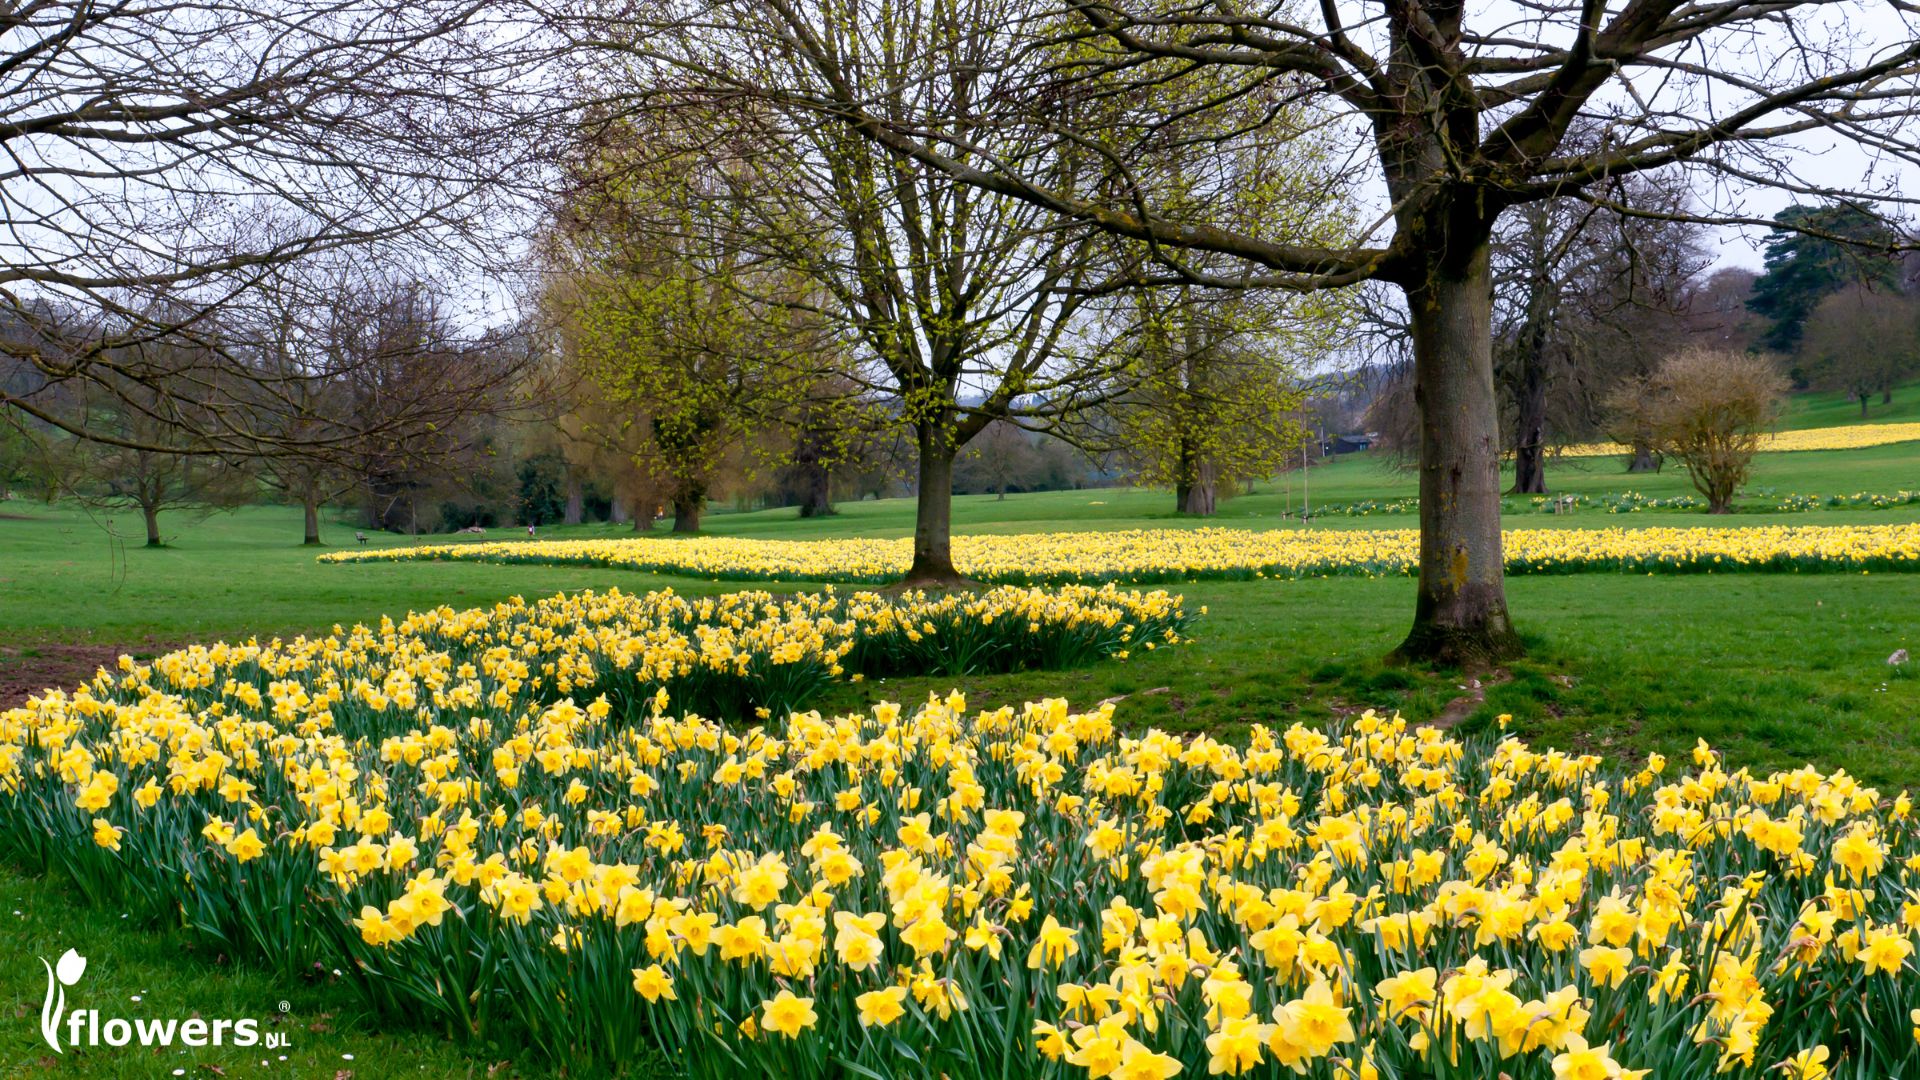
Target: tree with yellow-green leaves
[(682, 344), (1216, 388), (1215, 376)]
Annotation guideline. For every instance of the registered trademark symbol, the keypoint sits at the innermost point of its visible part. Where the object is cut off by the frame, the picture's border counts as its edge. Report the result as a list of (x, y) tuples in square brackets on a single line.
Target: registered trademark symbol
[(286, 1006)]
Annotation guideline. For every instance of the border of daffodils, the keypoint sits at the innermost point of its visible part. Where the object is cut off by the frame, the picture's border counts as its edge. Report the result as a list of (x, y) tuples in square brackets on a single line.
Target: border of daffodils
[(1632, 502), (1155, 555), (1846, 437)]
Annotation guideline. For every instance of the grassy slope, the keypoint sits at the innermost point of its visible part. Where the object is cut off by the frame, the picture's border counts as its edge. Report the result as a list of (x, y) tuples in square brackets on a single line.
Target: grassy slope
[(1832, 409)]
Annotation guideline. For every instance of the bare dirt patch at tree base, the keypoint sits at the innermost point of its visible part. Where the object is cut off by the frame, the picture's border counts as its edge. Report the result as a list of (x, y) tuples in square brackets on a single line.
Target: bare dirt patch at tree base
[(1473, 695), (27, 670), (931, 584)]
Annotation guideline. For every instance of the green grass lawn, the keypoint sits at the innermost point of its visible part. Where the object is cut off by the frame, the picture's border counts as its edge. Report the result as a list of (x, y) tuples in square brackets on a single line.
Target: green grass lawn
[(64, 579), (158, 974), (1776, 670), (1361, 477), (68, 576), (1831, 408)]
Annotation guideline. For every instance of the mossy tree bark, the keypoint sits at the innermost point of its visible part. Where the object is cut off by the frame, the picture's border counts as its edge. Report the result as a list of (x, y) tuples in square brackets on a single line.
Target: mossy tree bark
[(1460, 612)]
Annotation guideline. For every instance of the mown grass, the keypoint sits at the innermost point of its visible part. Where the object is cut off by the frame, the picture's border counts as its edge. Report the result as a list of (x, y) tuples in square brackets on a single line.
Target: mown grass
[(159, 974), (64, 579), (1832, 408), (1357, 478), (69, 576), (1777, 670)]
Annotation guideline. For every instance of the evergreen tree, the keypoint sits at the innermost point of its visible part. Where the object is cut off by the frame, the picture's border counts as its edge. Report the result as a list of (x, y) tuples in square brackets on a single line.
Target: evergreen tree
[(1813, 252)]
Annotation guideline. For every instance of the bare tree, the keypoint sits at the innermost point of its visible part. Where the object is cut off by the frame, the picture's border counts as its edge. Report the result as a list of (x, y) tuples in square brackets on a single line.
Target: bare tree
[(135, 472), (999, 457), (396, 344), (1464, 115), (1709, 409), (330, 383), (1579, 290), (1863, 341), (182, 150)]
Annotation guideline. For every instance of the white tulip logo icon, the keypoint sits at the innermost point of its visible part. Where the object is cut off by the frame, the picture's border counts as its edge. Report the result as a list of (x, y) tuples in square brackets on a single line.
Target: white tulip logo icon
[(72, 965)]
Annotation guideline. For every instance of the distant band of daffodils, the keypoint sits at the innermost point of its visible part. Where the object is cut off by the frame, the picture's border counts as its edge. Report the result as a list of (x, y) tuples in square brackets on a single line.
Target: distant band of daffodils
[(1015, 892), (1148, 555), (1850, 437), (1632, 502)]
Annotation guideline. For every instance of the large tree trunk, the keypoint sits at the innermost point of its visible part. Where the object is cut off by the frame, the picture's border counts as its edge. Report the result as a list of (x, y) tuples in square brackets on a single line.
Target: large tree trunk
[(816, 492), (312, 508), (1864, 398), (1643, 460), (576, 511), (1200, 497), (1195, 492), (1460, 614), (933, 510), (686, 513), (152, 515), (1530, 430)]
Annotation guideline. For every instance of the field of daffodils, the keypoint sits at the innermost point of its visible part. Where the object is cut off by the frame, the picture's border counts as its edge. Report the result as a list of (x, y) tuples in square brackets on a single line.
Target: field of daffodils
[(514, 824)]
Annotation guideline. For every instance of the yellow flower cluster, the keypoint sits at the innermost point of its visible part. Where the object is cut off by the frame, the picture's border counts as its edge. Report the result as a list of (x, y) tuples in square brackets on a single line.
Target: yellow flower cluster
[(1849, 437), (1192, 554), (739, 654), (1026, 892)]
